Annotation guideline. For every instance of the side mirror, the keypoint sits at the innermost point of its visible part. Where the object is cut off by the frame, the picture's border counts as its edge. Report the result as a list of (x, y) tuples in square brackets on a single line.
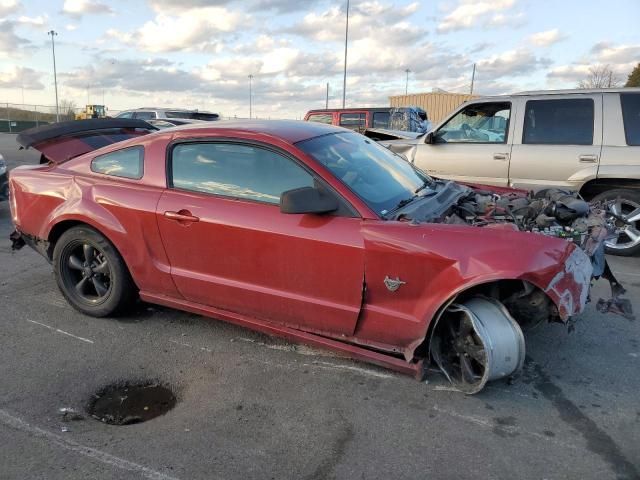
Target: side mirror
[(307, 200), (429, 138)]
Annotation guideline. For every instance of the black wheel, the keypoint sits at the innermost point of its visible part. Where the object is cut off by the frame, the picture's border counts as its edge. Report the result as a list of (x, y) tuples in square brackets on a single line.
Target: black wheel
[(623, 206), (91, 274)]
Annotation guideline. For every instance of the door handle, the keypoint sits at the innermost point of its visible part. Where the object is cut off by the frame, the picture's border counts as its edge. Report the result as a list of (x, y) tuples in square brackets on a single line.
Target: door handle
[(588, 158), (181, 216), (501, 156)]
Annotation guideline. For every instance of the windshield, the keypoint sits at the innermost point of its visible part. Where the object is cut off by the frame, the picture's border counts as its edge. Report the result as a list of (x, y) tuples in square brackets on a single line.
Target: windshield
[(382, 179)]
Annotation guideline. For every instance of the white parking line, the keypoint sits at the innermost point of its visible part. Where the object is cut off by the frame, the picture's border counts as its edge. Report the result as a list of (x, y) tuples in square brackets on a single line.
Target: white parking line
[(60, 331), (17, 423)]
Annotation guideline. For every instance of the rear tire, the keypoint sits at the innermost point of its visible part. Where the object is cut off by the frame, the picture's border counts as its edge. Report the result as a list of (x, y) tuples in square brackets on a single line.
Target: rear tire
[(91, 274), (628, 243)]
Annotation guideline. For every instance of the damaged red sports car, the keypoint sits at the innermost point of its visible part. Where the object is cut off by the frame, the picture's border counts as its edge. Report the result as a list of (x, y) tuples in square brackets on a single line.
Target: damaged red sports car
[(303, 230)]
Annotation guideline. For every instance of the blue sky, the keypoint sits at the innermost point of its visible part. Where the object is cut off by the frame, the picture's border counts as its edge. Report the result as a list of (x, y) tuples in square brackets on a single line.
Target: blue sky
[(199, 53)]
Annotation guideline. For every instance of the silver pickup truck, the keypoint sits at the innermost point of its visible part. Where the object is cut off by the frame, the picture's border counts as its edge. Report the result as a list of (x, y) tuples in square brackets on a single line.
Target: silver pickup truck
[(581, 140)]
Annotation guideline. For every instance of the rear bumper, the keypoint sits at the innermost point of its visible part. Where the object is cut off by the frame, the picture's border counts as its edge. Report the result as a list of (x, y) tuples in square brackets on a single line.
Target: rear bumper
[(19, 240)]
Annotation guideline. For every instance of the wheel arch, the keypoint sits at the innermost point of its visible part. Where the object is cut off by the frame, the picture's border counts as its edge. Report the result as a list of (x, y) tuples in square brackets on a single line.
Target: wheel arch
[(499, 289), (62, 226), (599, 185)]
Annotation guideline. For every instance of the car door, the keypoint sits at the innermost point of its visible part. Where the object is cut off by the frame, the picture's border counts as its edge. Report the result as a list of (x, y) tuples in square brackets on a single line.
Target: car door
[(230, 247), (557, 141), (474, 145)]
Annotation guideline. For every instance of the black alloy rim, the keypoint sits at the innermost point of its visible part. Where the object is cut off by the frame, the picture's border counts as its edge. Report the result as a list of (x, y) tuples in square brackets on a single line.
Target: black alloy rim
[(86, 272)]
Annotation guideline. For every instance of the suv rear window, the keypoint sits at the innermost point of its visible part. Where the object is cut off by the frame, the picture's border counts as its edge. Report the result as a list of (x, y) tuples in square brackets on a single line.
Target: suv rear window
[(127, 163), (192, 115), (144, 115), (631, 114), (354, 121), (559, 122), (381, 119)]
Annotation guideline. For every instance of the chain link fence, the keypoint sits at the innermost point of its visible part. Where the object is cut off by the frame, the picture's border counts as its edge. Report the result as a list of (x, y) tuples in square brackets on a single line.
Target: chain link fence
[(15, 117)]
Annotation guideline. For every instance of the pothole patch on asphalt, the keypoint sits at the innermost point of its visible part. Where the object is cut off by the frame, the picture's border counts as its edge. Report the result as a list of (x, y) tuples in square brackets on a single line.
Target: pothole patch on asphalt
[(127, 403)]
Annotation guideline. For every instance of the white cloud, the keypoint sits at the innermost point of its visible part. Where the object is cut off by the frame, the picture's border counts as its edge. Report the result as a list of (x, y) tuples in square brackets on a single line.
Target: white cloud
[(21, 77), (78, 8), (190, 30), (366, 20), (71, 27), (33, 21), (8, 7), (511, 63), (546, 38), (469, 12), (11, 44), (621, 59)]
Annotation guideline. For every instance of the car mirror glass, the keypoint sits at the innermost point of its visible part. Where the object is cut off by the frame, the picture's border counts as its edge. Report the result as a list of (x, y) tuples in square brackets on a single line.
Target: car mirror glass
[(307, 200)]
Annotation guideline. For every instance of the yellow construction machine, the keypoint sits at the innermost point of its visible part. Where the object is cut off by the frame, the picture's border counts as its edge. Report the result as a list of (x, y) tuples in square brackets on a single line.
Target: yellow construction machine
[(92, 111)]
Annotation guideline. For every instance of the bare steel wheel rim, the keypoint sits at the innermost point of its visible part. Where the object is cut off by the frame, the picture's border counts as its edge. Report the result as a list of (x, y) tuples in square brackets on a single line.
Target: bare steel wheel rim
[(86, 272), (625, 215)]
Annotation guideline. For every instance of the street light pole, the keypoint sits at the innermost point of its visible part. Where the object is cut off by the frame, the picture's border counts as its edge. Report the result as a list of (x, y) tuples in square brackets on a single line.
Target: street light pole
[(250, 97), (473, 78), (55, 75), (406, 85), (346, 41), (326, 103)]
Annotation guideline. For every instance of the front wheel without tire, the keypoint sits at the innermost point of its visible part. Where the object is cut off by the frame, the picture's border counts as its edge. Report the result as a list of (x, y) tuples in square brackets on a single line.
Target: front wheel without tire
[(623, 208), (91, 274)]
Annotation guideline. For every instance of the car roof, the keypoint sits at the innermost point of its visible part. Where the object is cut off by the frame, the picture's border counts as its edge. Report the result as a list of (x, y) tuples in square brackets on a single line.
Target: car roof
[(571, 91), (162, 109), (291, 131), (358, 109)]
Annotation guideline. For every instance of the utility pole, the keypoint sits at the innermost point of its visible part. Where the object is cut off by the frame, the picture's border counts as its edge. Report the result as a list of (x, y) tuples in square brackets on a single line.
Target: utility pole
[(55, 75), (250, 97), (473, 78), (326, 102), (346, 41), (406, 85)]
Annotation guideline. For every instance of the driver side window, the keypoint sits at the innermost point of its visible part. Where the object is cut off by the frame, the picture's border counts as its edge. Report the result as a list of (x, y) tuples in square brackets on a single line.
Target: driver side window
[(478, 123)]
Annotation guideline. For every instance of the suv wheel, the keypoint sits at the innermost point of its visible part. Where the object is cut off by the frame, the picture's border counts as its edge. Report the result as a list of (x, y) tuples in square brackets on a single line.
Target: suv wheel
[(91, 274), (623, 206)]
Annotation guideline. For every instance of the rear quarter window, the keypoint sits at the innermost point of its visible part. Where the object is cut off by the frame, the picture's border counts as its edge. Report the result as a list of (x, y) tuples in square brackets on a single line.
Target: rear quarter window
[(126, 163), (321, 118), (630, 103), (559, 122)]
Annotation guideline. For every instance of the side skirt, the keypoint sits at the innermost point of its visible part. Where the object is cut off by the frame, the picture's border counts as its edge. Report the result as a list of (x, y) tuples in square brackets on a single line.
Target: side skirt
[(352, 351)]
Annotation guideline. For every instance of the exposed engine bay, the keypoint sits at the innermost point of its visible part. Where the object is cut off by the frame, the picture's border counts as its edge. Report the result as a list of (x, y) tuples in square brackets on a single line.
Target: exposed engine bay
[(551, 212)]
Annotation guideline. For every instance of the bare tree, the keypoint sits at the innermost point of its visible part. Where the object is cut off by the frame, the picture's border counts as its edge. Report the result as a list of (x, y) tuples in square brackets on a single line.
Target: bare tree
[(600, 76), (67, 109)]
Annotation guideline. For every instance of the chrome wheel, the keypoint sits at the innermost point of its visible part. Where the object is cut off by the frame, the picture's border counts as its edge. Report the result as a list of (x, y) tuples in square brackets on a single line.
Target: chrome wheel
[(625, 215), (477, 342)]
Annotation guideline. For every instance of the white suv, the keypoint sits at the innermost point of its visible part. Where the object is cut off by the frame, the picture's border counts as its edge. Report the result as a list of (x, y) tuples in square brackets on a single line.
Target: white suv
[(582, 140)]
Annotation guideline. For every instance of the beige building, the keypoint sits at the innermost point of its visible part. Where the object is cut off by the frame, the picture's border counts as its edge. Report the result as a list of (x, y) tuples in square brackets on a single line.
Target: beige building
[(436, 104)]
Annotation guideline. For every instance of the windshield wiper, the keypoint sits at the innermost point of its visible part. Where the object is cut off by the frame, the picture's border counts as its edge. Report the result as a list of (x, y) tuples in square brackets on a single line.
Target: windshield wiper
[(423, 186)]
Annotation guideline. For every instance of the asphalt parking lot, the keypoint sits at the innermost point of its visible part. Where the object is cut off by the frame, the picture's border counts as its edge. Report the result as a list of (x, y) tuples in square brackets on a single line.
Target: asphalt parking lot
[(254, 407)]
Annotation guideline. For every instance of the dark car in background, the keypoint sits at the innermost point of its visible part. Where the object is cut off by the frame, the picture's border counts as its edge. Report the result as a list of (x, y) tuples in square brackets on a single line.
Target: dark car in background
[(4, 181), (169, 114)]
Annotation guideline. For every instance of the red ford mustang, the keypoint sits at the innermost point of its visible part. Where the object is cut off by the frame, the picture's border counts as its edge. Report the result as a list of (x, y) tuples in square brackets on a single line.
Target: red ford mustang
[(298, 229)]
